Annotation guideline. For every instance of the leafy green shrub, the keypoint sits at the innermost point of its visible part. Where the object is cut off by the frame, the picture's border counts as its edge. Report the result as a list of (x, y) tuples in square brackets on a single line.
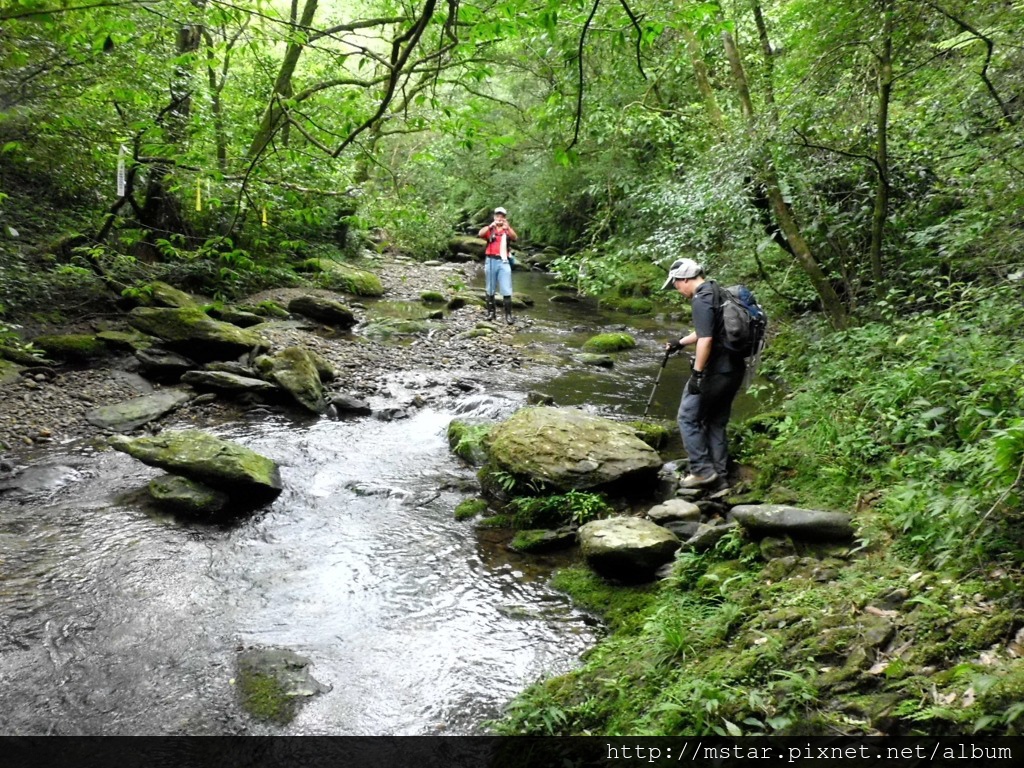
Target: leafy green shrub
[(554, 511)]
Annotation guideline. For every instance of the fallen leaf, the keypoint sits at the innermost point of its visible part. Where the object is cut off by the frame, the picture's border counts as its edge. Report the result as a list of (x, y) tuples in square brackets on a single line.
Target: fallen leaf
[(878, 668), (915, 577)]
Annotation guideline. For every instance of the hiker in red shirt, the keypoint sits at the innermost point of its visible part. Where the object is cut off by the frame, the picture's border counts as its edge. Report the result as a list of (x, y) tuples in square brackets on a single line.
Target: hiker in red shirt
[(497, 269)]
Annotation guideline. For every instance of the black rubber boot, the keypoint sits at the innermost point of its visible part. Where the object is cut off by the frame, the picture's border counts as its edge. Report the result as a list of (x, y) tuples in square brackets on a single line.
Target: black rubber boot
[(507, 300), (489, 303)]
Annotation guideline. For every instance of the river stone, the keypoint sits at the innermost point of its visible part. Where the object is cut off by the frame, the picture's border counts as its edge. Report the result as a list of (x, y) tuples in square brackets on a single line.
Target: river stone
[(781, 520), (467, 244), (162, 364), (350, 404), (190, 330), (131, 414), (708, 535), (160, 294), (294, 369), (223, 381), (188, 497), (323, 310), (133, 341), (571, 450), (674, 510), (627, 548), (238, 317), (590, 358), (272, 682), (219, 463), (344, 277)]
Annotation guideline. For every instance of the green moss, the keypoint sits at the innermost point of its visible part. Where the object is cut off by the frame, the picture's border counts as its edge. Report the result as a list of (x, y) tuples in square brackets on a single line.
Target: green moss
[(343, 277), (433, 297), (72, 346), (265, 698), (266, 309), (609, 342), (470, 508), (629, 305), (495, 521), (620, 606), (654, 434)]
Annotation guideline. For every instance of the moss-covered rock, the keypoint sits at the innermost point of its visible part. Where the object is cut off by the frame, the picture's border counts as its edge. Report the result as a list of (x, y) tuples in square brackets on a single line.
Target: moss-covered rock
[(221, 464), (192, 332), (567, 449), (187, 497), (470, 508), (131, 341), (295, 370), (466, 440), (467, 244), (343, 277), (266, 309), (74, 347), (272, 683), (326, 311), (629, 304), (433, 297), (609, 342), (542, 540)]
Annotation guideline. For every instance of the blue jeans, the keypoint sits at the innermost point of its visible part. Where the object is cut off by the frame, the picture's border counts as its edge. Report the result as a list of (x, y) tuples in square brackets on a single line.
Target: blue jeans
[(702, 421), (497, 273)]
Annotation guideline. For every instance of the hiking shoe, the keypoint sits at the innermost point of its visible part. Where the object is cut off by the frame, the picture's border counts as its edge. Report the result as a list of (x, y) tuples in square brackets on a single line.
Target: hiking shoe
[(697, 481)]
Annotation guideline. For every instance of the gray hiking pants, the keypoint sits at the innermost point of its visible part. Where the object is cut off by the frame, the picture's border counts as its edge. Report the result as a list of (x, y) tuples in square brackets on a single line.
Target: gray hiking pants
[(702, 421)]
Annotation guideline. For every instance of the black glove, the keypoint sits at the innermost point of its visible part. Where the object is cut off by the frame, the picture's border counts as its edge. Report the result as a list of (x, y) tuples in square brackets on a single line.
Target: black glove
[(673, 346), (694, 384)]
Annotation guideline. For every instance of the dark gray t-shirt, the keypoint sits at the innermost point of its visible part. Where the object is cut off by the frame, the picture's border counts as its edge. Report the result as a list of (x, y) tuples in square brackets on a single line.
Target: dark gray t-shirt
[(707, 321)]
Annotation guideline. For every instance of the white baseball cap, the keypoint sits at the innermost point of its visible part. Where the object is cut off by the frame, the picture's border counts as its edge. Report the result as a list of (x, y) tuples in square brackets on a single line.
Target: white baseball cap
[(682, 269), (501, 211)]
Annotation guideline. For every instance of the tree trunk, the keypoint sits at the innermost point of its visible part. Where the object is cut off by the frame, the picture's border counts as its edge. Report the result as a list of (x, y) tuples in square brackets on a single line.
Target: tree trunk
[(700, 72), (881, 208), (282, 87), (831, 303)]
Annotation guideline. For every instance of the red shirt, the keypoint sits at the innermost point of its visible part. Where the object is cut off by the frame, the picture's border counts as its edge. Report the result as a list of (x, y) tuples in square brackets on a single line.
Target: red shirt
[(493, 237)]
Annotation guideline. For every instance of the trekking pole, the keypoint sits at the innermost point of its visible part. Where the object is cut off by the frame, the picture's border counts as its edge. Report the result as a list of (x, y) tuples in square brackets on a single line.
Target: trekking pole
[(657, 380)]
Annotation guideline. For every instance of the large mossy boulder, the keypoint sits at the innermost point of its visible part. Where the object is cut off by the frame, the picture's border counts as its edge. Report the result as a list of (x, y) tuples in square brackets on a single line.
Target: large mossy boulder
[(609, 342), (191, 331), (246, 476), (567, 449), (344, 277), (73, 347), (327, 311), (295, 370), (626, 548), (467, 244)]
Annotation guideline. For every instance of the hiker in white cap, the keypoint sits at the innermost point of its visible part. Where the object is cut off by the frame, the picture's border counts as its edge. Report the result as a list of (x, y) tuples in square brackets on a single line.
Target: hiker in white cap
[(717, 373)]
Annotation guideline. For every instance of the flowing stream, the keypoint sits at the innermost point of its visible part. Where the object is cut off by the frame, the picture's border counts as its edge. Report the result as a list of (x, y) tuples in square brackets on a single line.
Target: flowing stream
[(116, 620)]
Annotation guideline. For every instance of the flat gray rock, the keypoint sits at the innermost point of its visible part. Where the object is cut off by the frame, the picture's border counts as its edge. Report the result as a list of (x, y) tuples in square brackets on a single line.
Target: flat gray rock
[(778, 519), (132, 414)]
